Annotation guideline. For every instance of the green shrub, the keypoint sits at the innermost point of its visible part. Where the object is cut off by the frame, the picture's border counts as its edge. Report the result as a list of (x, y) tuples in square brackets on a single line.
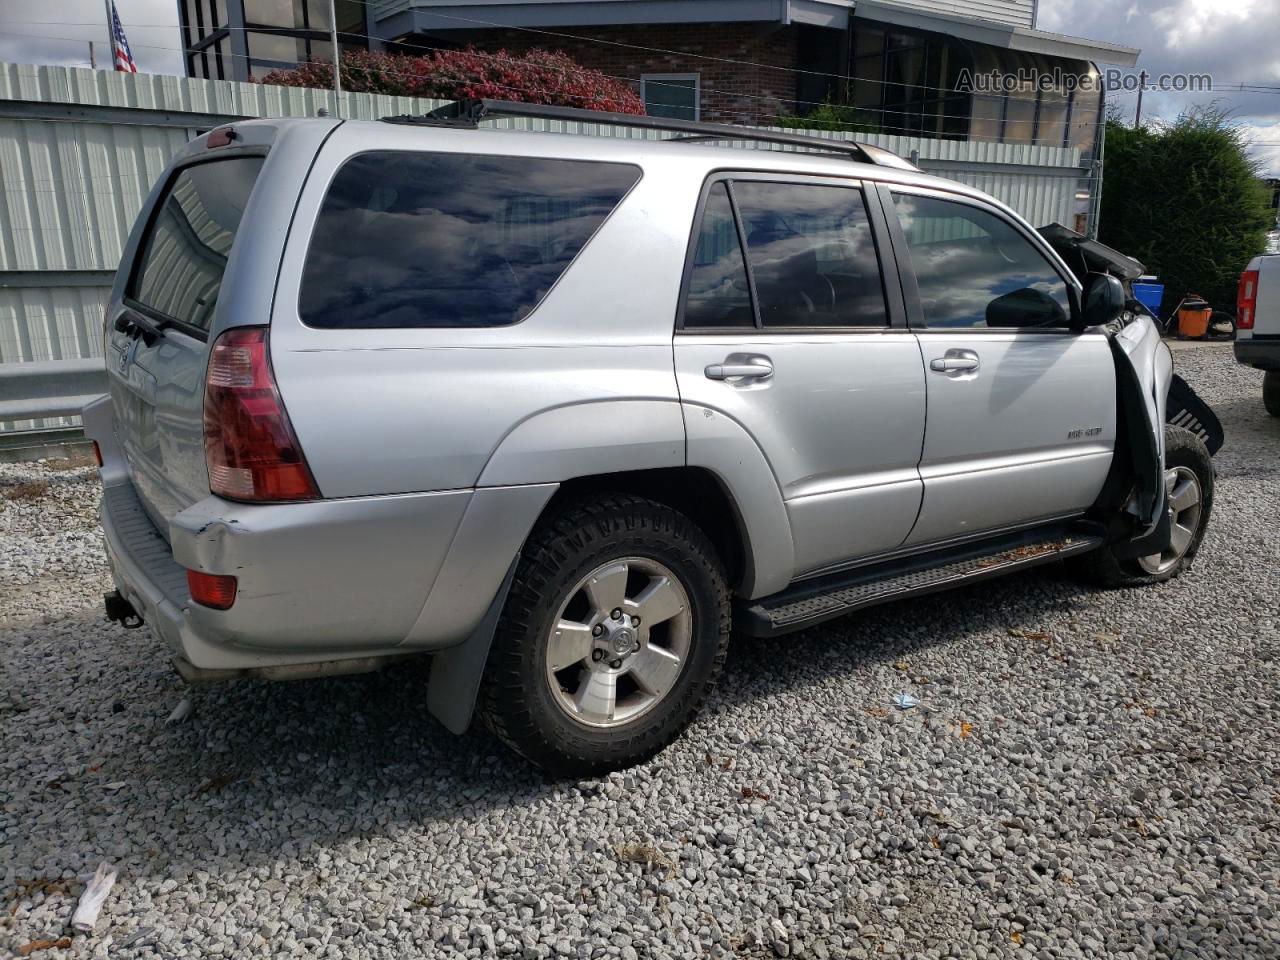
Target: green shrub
[(1185, 199), (832, 116)]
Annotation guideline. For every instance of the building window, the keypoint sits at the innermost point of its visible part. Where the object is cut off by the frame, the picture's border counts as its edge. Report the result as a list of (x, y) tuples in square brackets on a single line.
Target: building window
[(675, 96), (907, 82)]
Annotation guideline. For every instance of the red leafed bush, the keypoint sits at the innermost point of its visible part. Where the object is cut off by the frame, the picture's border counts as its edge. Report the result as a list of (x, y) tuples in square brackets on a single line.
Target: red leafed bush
[(539, 76)]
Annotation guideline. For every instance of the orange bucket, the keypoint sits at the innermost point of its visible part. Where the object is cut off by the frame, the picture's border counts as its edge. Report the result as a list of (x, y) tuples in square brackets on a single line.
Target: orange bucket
[(1193, 318)]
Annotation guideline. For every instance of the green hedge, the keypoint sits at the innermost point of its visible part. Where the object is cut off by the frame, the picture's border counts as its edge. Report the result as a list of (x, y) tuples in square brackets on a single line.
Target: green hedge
[(1185, 199)]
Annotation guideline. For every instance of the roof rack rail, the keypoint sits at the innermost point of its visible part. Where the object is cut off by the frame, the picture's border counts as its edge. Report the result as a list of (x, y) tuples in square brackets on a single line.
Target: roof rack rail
[(469, 113)]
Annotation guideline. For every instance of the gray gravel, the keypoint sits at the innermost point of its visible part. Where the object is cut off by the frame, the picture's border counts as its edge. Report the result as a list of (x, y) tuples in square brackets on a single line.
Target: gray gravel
[(1089, 774)]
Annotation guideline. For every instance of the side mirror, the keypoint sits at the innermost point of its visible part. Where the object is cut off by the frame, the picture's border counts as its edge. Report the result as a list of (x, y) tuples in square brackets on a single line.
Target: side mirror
[(1103, 300), (1027, 307)]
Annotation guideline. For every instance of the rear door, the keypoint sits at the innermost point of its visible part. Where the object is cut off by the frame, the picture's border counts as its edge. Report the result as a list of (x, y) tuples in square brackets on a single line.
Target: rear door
[(157, 336), (798, 343), (1021, 422)]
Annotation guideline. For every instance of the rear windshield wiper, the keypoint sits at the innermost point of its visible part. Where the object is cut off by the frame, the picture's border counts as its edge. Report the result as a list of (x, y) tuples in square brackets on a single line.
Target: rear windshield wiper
[(132, 322)]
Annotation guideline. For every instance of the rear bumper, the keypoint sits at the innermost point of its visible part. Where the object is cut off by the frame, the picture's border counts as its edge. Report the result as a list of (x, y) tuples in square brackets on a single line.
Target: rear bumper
[(1263, 354), (320, 581)]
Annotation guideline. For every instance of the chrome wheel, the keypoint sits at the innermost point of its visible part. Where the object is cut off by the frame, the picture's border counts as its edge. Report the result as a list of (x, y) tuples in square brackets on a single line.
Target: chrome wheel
[(619, 642), (1185, 503)]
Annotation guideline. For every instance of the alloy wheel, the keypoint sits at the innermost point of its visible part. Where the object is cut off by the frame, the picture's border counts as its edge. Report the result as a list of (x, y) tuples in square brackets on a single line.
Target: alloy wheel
[(619, 642), (1185, 502)]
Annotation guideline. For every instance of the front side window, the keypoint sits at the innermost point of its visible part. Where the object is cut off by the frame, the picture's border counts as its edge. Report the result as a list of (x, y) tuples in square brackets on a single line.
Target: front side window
[(975, 270), (812, 256), (185, 252), (450, 240)]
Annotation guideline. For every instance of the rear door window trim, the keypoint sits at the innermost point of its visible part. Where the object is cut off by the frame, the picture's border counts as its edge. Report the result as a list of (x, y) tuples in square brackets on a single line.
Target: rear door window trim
[(894, 311)]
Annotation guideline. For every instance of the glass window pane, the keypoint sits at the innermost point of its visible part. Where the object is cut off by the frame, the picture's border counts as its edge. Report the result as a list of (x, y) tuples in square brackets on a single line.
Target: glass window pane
[(350, 15), (219, 13), (185, 254), (274, 13), (450, 240), (718, 293), (318, 14), (867, 41), (1019, 120), (671, 95), (812, 255), (1051, 127), (975, 270), (274, 46)]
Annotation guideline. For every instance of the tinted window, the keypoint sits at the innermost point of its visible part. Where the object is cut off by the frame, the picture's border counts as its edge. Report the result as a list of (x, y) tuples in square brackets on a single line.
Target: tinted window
[(450, 240), (718, 292), (811, 253), (975, 270), (185, 255)]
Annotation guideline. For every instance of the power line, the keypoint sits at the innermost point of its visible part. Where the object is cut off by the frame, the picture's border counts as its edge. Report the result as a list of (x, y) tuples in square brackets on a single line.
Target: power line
[(836, 126)]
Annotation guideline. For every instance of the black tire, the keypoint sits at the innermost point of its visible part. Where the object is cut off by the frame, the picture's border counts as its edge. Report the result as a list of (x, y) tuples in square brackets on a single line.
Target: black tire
[(1271, 392), (1182, 449), (517, 701)]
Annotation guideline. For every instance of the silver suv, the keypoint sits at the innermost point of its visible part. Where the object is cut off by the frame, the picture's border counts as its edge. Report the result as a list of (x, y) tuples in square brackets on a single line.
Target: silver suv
[(565, 410)]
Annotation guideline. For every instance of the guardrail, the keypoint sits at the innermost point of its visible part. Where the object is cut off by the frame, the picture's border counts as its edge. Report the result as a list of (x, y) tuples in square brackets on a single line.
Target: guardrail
[(49, 388)]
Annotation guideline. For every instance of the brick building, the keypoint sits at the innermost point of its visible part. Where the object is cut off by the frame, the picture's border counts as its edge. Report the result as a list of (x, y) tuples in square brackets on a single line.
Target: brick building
[(891, 66)]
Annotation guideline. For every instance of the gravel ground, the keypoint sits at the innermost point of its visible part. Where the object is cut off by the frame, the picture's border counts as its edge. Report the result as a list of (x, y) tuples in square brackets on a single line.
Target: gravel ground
[(1089, 774)]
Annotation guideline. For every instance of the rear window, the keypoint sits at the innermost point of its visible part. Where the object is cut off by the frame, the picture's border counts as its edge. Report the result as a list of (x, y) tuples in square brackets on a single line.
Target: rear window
[(450, 240), (185, 253)]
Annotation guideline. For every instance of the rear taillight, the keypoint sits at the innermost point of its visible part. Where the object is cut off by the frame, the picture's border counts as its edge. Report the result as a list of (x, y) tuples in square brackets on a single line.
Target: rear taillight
[(216, 590), (1246, 299), (249, 445), (97, 453)]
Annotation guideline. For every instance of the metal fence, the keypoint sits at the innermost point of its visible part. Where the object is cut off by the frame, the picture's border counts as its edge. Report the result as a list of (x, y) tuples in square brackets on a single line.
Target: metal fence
[(80, 150)]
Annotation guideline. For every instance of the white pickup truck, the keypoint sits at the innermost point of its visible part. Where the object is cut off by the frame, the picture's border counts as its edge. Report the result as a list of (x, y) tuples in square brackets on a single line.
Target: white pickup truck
[(1258, 324)]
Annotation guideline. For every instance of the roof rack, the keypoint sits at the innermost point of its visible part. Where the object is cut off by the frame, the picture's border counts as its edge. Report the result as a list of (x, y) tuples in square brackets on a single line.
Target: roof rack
[(469, 113)]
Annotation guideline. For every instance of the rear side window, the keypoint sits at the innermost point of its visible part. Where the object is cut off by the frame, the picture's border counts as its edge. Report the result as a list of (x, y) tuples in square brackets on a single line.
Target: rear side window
[(450, 240), (185, 254)]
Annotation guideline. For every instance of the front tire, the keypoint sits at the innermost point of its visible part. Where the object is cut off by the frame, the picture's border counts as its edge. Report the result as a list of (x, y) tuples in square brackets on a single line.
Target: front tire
[(613, 635), (1189, 493)]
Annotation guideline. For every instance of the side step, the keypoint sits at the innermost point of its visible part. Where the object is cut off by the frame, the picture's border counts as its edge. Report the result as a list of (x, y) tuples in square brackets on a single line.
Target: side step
[(815, 601)]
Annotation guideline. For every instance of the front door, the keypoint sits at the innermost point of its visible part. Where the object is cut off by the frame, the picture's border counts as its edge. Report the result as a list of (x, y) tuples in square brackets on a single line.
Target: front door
[(796, 344), (1021, 409)]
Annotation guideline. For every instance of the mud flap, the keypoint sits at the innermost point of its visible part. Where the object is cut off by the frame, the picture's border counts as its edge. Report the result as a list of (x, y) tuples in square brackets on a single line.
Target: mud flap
[(1185, 409), (456, 672)]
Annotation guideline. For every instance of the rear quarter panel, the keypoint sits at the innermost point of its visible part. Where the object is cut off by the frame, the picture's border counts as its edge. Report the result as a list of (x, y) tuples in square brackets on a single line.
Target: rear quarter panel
[(399, 410)]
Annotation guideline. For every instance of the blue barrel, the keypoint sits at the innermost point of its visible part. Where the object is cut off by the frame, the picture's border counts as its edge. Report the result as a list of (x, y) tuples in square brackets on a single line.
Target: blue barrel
[(1149, 293)]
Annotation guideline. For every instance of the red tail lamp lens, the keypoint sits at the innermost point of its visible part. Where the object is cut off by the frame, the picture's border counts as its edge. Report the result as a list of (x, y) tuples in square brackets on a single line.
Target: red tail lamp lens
[(214, 590), (249, 444), (1246, 300)]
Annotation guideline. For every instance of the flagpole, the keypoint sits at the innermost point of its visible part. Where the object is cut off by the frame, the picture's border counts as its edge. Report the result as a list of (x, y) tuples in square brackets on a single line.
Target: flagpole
[(111, 35)]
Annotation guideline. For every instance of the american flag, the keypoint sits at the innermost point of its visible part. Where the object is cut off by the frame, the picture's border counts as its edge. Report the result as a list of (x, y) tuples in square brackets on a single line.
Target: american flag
[(120, 44)]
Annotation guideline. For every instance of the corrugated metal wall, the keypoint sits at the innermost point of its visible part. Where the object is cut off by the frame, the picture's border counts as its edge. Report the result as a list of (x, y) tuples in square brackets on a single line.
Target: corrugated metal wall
[(73, 186)]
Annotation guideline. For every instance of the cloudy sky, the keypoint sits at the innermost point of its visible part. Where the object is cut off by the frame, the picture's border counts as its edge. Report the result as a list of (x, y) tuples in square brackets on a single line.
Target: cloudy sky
[(1234, 40)]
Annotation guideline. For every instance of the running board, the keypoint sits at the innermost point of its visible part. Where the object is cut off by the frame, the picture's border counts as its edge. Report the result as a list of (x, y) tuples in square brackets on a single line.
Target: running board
[(815, 601)]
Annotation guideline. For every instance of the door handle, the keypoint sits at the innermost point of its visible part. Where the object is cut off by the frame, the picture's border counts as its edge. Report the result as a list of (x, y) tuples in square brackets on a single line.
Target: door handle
[(758, 369), (955, 361)]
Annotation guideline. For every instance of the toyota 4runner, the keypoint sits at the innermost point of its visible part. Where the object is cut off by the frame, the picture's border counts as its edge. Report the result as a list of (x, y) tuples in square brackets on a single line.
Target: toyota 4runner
[(564, 410)]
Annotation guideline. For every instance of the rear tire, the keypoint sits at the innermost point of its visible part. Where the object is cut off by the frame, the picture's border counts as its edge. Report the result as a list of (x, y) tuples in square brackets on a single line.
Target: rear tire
[(578, 690), (1189, 486), (1271, 392)]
